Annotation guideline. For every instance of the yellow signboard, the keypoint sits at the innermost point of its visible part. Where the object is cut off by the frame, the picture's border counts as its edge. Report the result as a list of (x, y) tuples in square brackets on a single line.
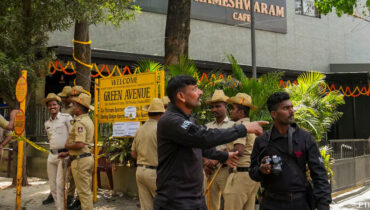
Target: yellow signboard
[(121, 98), (19, 122), (21, 89)]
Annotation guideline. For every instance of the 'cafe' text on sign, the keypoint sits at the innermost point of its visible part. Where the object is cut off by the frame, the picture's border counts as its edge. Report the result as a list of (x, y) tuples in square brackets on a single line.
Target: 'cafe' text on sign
[(116, 94)]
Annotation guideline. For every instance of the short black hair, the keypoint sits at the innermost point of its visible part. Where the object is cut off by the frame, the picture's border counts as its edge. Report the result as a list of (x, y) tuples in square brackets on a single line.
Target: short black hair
[(245, 109), (177, 83), (275, 99), (154, 114)]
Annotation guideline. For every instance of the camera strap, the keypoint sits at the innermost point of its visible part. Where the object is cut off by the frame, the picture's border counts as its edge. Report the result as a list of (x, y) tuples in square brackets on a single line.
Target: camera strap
[(290, 139)]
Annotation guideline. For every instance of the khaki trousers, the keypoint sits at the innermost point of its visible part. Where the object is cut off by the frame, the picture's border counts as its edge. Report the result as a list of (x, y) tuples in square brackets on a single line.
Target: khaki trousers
[(55, 175), (146, 184), (71, 183), (217, 188), (82, 170), (240, 192)]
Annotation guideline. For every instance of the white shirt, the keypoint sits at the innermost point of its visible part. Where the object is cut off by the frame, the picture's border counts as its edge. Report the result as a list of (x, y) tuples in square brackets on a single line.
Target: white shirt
[(58, 130)]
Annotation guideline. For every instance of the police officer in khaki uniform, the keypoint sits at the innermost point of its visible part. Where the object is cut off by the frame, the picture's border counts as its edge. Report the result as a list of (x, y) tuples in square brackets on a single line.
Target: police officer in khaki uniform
[(240, 191), (8, 125), (76, 204), (80, 138), (77, 90), (57, 128), (219, 110), (144, 149), (66, 96)]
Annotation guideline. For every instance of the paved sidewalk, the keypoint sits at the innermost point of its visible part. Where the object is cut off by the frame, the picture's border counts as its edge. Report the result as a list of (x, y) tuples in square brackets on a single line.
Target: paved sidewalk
[(358, 199), (38, 190)]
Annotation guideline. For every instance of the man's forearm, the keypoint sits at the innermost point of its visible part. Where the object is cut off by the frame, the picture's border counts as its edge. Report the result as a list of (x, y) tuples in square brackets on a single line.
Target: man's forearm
[(256, 174), (215, 154)]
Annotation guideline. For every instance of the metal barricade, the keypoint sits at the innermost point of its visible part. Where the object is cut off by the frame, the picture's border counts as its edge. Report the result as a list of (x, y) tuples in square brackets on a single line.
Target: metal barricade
[(349, 148)]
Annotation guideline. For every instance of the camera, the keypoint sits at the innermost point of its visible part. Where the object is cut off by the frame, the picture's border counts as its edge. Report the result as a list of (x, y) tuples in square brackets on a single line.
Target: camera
[(275, 162)]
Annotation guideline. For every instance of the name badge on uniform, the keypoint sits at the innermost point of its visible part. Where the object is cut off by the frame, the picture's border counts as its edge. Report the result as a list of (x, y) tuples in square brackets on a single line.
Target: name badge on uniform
[(80, 129)]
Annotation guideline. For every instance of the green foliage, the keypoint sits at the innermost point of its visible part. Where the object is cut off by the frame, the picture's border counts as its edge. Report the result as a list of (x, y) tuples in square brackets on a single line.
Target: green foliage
[(259, 89), (149, 65), (97, 11), (185, 67), (315, 109), (23, 37), (24, 33), (341, 6), (117, 150)]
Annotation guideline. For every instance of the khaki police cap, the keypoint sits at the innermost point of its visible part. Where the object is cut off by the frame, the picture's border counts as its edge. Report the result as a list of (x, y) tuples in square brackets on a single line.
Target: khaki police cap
[(67, 91), (155, 106), (165, 100), (218, 96), (242, 99), (51, 97), (84, 100), (77, 90)]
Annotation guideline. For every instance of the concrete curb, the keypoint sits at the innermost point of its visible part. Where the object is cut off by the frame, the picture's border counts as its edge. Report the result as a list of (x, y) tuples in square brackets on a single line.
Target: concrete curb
[(363, 189)]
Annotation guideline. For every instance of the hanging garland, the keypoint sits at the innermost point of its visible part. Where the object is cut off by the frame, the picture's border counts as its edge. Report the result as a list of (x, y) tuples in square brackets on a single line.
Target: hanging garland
[(57, 66)]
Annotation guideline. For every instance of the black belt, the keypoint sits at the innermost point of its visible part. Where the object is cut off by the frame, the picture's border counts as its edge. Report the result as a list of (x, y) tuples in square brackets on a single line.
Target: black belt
[(239, 169), (57, 151), (146, 166), (283, 196), (74, 157)]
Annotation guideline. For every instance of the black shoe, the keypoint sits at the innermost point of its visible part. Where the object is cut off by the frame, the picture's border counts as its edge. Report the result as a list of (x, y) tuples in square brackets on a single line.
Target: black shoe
[(74, 205), (69, 200), (48, 200)]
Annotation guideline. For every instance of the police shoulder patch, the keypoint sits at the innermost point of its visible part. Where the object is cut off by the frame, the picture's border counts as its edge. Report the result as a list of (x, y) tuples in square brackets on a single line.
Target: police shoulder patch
[(185, 125)]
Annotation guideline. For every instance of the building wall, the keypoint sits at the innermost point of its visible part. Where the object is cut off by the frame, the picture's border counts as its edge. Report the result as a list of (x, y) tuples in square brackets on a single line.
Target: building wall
[(310, 43)]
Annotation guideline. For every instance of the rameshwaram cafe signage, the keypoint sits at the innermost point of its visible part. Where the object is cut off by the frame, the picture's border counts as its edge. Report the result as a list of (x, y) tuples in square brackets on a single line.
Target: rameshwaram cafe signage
[(270, 15)]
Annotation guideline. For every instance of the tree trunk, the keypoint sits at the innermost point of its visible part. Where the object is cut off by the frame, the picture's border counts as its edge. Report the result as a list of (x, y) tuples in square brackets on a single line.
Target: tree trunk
[(82, 53), (177, 30)]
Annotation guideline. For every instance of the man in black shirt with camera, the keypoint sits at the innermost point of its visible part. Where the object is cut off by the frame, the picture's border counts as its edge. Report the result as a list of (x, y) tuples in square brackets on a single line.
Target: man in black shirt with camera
[(279, 159), (182, 144)]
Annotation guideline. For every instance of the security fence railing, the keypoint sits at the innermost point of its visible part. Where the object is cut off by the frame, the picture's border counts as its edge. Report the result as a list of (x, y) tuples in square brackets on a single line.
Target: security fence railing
[(36, 116), (349, 148)]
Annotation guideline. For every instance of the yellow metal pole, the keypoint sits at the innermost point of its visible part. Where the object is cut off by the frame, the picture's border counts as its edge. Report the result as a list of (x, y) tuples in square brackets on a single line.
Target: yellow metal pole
[(162, 84), (96, 127), (20, 156)]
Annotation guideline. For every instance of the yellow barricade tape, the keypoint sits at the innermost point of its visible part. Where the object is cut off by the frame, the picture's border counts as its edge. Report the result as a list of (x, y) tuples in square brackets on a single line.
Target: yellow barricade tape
[(33, 144)]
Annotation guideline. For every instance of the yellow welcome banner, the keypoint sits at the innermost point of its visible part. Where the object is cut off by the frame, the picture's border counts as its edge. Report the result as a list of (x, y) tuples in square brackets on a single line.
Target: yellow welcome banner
[(122, 98)]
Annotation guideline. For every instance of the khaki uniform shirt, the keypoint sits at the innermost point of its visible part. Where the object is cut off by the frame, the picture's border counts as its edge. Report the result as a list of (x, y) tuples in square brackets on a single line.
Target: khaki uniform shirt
[(82, 131), (3, 122), (145, 143), (57, 130), (226, 123), (248, 141), (68, 109)]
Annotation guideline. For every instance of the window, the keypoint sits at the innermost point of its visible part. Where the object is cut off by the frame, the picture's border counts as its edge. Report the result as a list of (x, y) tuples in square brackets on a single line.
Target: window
[(306, 7)]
